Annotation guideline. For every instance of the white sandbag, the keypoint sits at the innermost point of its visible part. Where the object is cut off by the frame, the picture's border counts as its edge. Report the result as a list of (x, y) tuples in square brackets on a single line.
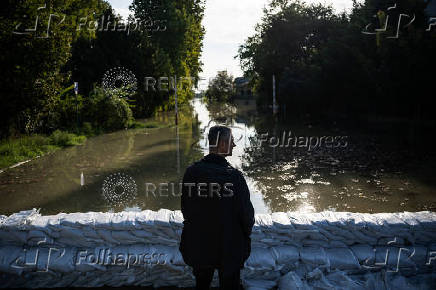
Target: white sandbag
[(143, 234), (259, 284), (393, 221), (123, 221), (125, 237), (261, 258), (162, 218), (37, 236), (178, 259), (337, 244), (42, 223), (341, 280), (426, 219), (364, 238), (313, 234), (409, 218), (279, 241), (73, 236), (285, 254), (365, 254), (106, 235), (300, 221), (391, 259), (20, 220), (263, 220), (12, 260), (292, 281), (12, 238), (77, 220), (62, 260), (281, 221), (314, 256), (330, 235), (308, 242), (419, 255), (18, 237), (90, 234), (176, 218), (102, 220), (342, 259)]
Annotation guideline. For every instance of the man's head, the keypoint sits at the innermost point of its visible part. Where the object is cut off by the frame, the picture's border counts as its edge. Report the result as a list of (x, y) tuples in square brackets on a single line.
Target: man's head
[(221, 140)]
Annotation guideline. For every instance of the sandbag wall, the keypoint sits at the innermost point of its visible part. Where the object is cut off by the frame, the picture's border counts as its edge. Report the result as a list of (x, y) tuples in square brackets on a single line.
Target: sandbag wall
[(328, 250)]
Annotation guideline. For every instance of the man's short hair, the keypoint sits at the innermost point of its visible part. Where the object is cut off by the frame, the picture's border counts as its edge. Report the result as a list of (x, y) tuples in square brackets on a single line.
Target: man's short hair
[(218, 133)]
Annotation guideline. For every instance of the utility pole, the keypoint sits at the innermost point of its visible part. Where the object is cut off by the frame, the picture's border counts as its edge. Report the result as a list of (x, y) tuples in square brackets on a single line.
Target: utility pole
[(175, 96), (275, 107), (76, 91)]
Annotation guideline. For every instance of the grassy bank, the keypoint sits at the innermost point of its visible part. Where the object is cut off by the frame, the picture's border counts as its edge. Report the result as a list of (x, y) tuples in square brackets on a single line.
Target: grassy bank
[(15, 150), (18, 149)]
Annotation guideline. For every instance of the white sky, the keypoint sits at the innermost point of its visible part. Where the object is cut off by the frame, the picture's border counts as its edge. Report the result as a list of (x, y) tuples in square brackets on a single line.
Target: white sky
[(228, 23)]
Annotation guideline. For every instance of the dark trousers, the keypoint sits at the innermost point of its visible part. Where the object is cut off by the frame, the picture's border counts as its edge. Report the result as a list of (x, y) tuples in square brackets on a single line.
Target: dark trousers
[(228, 281)]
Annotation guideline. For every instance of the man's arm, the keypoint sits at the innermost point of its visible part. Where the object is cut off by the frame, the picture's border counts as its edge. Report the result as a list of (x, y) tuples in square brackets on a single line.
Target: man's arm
[(246, 208)]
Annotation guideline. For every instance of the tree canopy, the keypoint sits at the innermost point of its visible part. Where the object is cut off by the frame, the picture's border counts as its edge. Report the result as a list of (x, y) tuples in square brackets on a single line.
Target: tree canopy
[(47, 47), (338, 63)]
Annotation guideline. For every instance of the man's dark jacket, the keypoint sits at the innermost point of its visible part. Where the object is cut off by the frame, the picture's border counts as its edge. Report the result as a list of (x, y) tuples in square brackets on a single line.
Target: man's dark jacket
[(217, 227)]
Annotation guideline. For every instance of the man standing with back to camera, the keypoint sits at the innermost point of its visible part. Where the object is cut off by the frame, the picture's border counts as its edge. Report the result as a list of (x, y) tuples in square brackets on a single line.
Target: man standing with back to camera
[(218, 215)]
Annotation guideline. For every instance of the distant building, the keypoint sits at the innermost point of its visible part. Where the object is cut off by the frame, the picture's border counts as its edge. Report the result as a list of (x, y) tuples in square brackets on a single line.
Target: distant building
[(430, 10), (243, 88)]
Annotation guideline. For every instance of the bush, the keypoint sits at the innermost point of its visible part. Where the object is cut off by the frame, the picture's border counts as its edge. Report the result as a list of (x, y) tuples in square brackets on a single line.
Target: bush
[(107, 111), (87, 129), (136, 125), (63, 139)]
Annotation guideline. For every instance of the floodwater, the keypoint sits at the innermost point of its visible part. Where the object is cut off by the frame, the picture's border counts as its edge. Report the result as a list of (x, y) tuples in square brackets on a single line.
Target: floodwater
[(289, 166)]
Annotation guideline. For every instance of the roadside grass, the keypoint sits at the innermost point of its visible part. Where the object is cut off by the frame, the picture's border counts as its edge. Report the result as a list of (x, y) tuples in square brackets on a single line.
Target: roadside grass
[(148, 124), (15, 150)]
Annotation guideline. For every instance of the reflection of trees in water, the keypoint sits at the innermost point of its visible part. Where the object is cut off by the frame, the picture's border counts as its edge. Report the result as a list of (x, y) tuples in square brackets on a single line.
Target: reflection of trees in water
[(147, 155), (239, 111), (363, 176)]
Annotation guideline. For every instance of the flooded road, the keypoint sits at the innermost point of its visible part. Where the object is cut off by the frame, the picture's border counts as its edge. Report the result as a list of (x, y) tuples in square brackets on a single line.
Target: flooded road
[(300, 166)]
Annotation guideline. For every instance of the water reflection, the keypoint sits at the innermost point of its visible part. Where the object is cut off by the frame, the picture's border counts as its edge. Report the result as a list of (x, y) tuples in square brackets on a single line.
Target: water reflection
[(238, 120), (365, 176), (368, 175)]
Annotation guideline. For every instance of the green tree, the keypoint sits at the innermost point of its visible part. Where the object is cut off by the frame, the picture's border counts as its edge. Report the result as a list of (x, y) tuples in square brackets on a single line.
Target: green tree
[(220, 88), (173, 50), (325, 65), (32, 62)]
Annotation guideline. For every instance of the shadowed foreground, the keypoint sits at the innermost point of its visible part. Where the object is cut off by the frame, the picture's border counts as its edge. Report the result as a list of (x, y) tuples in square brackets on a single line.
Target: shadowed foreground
[(289, 250)]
